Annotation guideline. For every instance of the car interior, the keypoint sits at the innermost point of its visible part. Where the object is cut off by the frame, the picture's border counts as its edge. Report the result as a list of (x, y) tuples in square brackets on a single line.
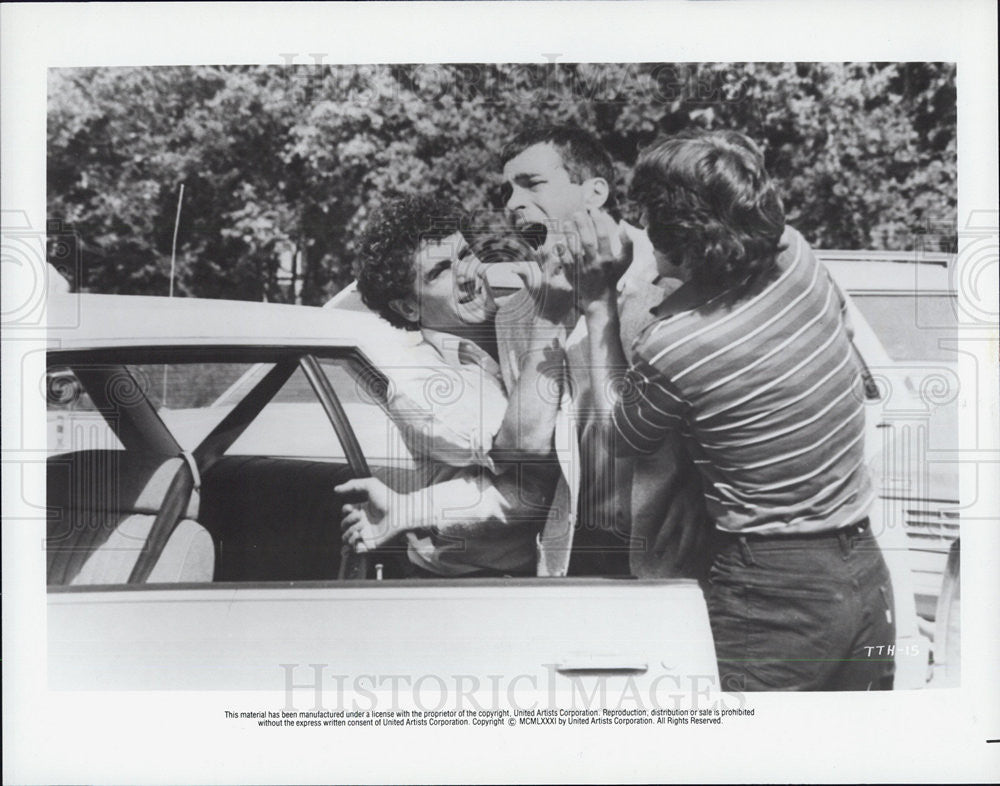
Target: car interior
[(118, 517), (153, 512)]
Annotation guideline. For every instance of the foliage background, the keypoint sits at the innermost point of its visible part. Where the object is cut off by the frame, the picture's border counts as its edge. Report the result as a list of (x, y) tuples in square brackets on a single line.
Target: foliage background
[(284, 163)]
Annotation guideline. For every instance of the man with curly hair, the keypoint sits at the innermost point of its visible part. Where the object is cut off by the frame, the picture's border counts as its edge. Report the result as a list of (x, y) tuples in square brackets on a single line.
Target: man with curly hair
[(466, 398), (751, 362)]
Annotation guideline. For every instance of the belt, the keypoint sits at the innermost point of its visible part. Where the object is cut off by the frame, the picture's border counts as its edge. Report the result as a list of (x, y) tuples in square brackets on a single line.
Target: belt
[(848, 531)]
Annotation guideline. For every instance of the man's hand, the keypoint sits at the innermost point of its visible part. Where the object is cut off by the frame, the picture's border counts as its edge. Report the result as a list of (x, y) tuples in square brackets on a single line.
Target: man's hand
[(549, 284), (597, 266), (373, 521)]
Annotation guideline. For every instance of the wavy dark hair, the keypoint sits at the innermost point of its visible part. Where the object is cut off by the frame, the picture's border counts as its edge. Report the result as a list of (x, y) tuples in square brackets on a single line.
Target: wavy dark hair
[(710, 205), (389, 242), (582, 154)]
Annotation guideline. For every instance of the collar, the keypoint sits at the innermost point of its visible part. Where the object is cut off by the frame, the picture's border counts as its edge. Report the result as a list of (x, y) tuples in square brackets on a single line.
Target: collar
[(458, 351)]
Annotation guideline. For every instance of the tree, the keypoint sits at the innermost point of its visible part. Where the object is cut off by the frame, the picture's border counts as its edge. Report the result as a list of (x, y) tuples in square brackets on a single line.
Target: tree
[(282, 165)]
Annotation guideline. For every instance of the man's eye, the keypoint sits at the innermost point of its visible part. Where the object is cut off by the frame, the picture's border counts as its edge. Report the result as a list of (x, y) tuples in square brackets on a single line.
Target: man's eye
[(436, 272), (535, 184)]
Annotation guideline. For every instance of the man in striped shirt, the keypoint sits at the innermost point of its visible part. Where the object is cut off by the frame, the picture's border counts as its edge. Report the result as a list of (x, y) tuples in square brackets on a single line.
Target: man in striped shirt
[(751, 361)]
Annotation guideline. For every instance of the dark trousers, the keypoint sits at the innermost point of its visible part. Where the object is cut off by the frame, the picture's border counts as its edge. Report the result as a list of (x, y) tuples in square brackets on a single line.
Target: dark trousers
[(810, 612)]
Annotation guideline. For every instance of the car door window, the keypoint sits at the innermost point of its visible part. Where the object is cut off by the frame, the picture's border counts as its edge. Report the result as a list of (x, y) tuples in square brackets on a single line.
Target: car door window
[(362, 392), (73, 422), (293, 424), (185, 395)]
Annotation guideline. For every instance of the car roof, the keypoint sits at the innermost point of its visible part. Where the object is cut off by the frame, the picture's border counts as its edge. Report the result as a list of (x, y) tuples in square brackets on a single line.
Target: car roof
[(873, 271), (83, 321)]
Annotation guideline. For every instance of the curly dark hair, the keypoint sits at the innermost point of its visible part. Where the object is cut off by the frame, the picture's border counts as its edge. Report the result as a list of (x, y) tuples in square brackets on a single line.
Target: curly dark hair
[(582, 154), (711, 206), (389, 242)]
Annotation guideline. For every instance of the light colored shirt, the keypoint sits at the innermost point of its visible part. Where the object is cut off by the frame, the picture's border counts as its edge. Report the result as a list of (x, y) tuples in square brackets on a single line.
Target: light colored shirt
[(448, 398), (556, 536), (601, 483)]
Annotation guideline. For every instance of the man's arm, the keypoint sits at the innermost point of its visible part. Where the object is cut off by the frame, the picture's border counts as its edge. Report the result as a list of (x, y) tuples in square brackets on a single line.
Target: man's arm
[(596, 272), (606, 358), (526, 432), (530, 419), (472, 505), (633, 404), (634, 415), (445, 414), (506, 481)]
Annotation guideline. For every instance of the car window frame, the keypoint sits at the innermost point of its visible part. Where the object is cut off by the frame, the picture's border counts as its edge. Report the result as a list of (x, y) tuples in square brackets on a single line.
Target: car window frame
[(304, 357), (138, 426), (118, 358)]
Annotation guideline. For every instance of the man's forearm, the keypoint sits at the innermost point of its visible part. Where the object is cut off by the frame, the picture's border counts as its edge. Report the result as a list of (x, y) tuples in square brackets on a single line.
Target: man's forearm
[(529, 422), (606, 358), (478, 504)]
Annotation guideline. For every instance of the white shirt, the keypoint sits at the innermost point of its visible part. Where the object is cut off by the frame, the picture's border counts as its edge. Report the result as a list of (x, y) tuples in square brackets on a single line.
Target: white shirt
[(449, 400)]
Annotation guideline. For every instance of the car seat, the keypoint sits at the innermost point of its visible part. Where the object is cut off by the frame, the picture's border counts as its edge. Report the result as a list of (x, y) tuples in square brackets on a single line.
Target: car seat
[(109, 513)]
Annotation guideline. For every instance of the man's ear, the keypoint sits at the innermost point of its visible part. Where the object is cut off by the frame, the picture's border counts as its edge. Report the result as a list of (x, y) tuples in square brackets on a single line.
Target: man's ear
[(406, 309), (595, 191)]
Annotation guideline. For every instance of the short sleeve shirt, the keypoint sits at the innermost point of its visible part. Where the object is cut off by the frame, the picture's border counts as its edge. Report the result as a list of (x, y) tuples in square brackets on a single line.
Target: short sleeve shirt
[(766, 389)]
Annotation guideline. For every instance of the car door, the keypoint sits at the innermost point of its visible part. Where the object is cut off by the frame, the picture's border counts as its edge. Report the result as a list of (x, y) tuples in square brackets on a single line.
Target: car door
[(279, 616)]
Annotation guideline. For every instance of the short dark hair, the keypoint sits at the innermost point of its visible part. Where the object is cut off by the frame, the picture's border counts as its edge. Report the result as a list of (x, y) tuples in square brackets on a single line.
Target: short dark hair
[(582, 154), (709, 203), (389, 243)]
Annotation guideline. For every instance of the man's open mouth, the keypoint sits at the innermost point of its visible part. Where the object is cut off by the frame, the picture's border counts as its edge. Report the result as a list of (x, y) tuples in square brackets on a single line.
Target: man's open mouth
[(533, 233)]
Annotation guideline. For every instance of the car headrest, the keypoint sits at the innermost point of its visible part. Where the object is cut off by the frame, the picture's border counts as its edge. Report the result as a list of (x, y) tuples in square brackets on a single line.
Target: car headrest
[(113, 480)]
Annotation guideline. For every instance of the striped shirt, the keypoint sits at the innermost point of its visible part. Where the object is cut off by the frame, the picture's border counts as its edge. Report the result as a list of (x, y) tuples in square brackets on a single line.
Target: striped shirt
[(767, 391)]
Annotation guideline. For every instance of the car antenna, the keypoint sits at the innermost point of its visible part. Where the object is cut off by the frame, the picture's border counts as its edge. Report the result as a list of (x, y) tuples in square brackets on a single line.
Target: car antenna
[(173, 246), (173, 267)]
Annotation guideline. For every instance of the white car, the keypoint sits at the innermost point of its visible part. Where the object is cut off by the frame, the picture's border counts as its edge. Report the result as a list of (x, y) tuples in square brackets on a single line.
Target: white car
[(194, 539), (904, 312)]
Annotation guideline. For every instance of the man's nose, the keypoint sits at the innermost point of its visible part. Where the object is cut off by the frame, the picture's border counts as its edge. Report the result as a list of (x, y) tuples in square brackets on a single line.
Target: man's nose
[(516, 199), (467, 270)]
